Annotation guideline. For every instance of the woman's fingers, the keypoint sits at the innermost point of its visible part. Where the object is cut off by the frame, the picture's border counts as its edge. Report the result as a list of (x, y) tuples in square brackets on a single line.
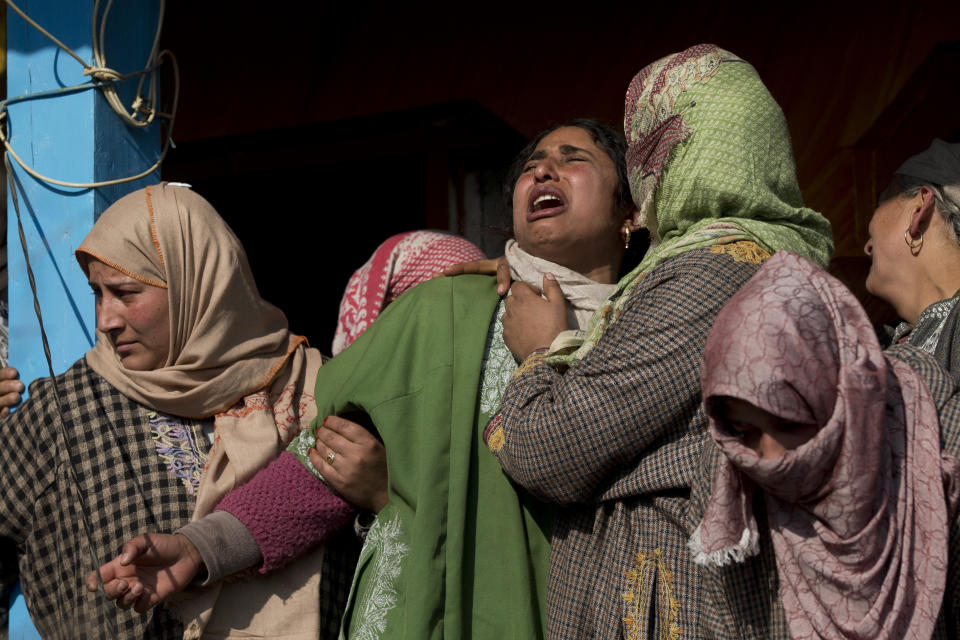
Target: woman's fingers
[(356, 470), (552, 291), (530, 321), (145, 602), (93, 581), (11, 389), (117, 579), (319, 460), (148, 569), (131, 596), (332, 441), (484, 267), (346, 428), (115, 588), (349, 441), (503, 276), (332, 474), (133, 549), (8, 399), (490, 267)]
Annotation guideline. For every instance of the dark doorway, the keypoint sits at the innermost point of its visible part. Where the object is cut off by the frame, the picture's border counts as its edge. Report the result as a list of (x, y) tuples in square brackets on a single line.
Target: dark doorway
[(311, 203)]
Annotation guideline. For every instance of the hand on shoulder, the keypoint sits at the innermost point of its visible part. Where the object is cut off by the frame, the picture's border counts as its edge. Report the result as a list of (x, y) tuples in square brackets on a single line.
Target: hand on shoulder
[(492, 266)]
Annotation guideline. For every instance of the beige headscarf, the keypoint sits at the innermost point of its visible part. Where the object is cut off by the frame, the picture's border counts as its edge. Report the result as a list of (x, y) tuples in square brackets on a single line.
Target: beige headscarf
[(231, 357), (225, 340)]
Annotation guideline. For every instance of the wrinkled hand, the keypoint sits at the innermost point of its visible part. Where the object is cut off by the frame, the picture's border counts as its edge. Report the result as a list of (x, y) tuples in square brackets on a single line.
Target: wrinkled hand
[(149, 569), (359, 469), (530, 322), (11, 389), (493, 266)]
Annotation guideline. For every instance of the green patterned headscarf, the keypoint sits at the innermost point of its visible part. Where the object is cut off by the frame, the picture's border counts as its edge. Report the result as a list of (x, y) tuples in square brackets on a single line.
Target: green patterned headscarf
[(709, 162)]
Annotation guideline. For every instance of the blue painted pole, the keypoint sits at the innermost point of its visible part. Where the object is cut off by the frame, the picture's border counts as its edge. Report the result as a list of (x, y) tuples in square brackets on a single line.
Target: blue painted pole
[(74, 137), (56, 137)]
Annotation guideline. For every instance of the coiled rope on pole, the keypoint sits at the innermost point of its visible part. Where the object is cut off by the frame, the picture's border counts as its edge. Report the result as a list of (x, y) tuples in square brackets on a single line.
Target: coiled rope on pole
[(141, 106), (143, 110)]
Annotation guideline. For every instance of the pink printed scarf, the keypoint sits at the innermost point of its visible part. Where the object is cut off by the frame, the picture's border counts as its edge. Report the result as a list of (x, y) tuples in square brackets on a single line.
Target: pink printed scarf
[(858, 515), (400, 263)]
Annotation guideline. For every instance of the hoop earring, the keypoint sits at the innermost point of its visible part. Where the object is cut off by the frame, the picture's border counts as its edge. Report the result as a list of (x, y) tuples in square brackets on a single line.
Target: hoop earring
[(626, 235), (913, 244)]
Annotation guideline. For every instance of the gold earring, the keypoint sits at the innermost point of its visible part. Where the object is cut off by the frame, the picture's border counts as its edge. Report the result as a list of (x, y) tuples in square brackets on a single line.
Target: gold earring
[(913, 244), (626, 235)]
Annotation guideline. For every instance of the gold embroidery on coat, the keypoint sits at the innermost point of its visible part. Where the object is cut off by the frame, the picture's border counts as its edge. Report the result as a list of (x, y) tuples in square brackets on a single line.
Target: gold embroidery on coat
[(743, 251), (532, 360), (496, 439), (649, 568)]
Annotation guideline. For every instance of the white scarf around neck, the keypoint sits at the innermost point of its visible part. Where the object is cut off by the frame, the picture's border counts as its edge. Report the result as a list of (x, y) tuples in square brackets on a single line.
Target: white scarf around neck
[(584, 296)]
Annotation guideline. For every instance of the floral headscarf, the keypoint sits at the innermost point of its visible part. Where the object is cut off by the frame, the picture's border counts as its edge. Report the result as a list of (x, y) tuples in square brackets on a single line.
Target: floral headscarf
[(709, 162)]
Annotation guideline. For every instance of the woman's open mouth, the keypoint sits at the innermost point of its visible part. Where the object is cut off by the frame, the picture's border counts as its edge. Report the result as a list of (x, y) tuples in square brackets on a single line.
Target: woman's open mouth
[(545, 201)]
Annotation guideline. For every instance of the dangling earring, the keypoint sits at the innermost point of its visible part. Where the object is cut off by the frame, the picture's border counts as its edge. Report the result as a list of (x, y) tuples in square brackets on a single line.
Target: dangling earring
[(913, 244), (626, 235)]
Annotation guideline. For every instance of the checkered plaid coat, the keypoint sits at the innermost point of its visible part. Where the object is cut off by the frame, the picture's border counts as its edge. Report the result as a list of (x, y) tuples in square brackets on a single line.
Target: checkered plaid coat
[(122, 487), (616, 441), (743, 600)]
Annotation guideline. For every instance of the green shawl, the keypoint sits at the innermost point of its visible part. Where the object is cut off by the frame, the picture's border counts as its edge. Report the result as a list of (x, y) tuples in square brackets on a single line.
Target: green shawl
[(458, 552), (710, 163)]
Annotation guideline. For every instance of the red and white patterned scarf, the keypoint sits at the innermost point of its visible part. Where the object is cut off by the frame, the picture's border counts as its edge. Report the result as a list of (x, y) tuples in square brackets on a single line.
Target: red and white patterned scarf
[(402, 262), (858, 515)]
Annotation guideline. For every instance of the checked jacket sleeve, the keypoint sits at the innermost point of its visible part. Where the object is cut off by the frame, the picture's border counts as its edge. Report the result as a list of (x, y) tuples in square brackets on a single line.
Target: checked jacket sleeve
[(627, 419)]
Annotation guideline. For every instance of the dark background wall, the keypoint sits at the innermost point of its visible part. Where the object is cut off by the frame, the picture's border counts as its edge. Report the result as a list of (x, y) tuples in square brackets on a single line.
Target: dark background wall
[(319, 129)]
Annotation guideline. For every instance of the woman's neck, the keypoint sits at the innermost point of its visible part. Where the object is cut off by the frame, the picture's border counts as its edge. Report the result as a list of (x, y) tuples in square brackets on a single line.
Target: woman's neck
[(938, 280), (601, 271)]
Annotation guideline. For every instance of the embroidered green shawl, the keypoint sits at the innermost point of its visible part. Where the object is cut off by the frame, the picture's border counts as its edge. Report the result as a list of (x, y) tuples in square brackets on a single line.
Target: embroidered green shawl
[(710, 162), (458, 552)]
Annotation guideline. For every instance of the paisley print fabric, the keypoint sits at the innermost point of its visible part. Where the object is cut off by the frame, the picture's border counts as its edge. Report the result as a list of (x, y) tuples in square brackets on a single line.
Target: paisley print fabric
[(710, 163)]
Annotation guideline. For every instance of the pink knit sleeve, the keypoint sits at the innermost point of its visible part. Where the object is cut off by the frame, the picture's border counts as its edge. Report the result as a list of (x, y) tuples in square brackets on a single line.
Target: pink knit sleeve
[(287, 510)]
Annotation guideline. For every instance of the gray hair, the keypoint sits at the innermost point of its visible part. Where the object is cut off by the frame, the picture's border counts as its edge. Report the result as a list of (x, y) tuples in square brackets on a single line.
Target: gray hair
[(908, 186)]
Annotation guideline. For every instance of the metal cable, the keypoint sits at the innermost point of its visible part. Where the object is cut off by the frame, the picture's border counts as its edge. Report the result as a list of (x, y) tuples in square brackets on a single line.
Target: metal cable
[(74, 476)]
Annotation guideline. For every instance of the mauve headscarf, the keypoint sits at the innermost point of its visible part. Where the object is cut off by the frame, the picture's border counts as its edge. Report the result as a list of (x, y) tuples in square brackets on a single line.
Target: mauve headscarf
[(858, 515), (400, 263)]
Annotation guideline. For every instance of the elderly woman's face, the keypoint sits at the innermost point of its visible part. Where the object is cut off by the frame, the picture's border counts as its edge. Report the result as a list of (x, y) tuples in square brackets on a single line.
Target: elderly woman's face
[(133, 315), (564, 207)]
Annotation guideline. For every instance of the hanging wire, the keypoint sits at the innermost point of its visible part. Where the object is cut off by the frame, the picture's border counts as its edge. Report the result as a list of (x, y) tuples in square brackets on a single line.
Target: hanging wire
[(142, 111), (72, 466)]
